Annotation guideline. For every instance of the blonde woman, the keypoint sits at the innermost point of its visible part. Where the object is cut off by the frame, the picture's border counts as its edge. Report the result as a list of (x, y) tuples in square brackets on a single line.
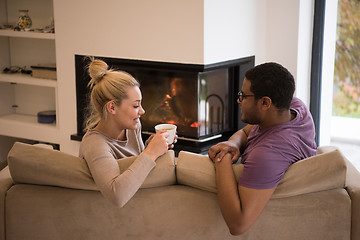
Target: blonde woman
[(113, 131)]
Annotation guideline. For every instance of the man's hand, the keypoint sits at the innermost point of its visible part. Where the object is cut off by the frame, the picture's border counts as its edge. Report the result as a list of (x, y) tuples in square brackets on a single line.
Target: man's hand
[(218, 151), (236, 143)]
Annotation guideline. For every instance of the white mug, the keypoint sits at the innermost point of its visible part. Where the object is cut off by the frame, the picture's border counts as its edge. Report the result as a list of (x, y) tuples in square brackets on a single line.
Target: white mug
[(170, 128)]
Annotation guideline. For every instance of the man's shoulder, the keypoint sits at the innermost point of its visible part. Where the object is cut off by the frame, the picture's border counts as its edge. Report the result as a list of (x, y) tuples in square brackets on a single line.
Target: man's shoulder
[(278, 141), (297, 102)]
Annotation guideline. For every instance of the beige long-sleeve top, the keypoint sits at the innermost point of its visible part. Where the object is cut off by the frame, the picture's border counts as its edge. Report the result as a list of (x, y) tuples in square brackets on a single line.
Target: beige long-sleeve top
[(101, 153)]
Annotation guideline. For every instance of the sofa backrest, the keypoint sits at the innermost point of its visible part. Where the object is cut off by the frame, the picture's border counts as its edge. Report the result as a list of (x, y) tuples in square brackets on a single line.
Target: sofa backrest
[(325, 171), (35, 165)]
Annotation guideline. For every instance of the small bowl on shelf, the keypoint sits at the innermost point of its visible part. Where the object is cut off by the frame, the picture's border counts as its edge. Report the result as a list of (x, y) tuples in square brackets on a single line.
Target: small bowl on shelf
[(46, 116)]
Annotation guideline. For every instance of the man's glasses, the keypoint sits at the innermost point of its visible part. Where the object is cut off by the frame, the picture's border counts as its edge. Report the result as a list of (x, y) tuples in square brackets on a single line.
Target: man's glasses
[(242, 96)]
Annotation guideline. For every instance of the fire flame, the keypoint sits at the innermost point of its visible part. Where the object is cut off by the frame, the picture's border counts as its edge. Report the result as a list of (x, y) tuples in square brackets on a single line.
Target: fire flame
[(196, 124)]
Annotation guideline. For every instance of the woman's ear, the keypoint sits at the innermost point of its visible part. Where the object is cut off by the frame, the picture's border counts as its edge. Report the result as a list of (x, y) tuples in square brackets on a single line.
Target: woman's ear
[(110, 107)]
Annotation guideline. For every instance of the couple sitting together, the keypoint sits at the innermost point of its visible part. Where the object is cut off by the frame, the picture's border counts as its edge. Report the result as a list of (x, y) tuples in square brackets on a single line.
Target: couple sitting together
[(280, 132)]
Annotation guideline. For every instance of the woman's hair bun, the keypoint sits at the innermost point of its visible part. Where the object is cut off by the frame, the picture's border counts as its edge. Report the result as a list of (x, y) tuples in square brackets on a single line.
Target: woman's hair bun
[(97, 69)]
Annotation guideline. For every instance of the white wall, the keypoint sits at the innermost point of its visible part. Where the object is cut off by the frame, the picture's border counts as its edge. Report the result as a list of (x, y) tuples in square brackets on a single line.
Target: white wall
[(234, 29), (304, 49), (327, 80), (153, 30), (289, 40), (282, 32)]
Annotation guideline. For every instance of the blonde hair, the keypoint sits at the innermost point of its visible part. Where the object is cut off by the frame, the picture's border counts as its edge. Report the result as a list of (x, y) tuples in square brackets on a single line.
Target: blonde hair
[(106, 85)]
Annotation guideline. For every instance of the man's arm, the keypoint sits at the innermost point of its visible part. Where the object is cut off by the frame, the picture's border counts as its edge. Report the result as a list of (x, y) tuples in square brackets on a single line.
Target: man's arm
[(240, 137), (240, 206), (234, 145)]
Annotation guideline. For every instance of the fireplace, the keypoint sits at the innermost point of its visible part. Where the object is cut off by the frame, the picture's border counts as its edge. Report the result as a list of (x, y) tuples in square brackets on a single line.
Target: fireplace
[(199, 99)]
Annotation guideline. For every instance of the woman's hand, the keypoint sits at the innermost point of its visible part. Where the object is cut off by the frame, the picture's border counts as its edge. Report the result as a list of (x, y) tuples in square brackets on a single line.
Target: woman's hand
[(149, 139), (171, 146), (157, 145)]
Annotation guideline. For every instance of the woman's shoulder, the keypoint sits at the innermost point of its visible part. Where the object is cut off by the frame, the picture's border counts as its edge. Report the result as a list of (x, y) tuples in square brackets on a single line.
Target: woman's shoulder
[(92, 139), (94, 135), (95, 147)]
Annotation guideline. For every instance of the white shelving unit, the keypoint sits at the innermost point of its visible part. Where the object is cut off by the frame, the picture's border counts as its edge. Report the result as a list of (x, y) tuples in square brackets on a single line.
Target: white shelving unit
[(23, 34), (21, 95), (26, 79)]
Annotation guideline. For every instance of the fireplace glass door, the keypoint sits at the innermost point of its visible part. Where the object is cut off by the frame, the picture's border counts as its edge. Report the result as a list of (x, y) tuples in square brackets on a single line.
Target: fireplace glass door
[(195, 102)]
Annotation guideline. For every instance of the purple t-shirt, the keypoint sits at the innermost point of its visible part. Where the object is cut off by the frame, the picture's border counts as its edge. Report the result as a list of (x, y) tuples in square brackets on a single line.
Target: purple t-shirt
[(269, 153)]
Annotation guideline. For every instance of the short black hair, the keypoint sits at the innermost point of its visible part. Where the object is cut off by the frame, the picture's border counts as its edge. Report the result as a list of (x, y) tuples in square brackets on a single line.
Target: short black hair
[(274, 81)]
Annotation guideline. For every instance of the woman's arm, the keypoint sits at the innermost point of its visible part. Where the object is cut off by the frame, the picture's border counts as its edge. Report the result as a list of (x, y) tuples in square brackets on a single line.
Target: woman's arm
[(116, 186)]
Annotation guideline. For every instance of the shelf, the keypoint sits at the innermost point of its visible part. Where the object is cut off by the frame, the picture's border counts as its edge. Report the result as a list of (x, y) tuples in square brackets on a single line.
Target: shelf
[(23, 34), (25, 119), (27, 79), (26, 126)]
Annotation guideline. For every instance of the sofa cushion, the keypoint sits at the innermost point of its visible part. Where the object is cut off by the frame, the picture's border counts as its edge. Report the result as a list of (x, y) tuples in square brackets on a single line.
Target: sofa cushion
[(35, 165), (324, 171), (198, 171)]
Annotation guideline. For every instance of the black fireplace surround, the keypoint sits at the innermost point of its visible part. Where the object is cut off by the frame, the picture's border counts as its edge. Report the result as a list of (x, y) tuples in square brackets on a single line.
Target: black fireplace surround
[(199, 99)]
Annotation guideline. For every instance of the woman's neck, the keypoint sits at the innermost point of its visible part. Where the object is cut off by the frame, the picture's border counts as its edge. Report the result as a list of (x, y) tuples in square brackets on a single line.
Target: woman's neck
[(111, 131)]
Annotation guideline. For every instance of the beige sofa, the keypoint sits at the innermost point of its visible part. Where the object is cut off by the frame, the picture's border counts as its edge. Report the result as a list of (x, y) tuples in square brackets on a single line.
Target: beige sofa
[(47, 194)]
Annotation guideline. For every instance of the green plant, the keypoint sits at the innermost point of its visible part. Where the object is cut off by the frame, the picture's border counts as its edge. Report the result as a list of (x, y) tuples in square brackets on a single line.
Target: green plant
[(346, 100)]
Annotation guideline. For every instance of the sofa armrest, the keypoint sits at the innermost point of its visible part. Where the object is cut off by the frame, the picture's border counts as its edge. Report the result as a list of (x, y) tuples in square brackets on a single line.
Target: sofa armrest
[(5, 183), (353, 188)]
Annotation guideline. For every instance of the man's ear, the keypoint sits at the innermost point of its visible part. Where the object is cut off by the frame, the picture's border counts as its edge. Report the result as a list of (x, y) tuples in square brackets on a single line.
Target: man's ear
[(266, 102), (110, 107)]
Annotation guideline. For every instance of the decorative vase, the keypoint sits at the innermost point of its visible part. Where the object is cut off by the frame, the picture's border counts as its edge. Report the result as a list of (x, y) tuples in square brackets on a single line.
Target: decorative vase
[(24, 21)]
